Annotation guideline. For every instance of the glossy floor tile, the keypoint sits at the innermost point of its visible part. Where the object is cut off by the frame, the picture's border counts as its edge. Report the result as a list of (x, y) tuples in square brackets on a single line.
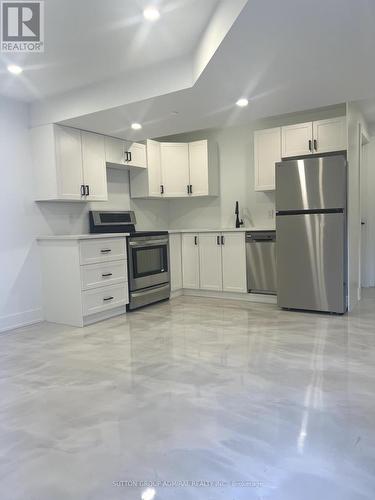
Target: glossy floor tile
[(196, 398)]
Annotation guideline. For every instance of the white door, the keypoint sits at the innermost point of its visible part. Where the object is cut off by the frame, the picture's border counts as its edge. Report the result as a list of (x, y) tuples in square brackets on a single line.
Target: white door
[(210, 261), (198, 168), (175, 168), (154, 168), (94, 168), (296, 140), (234, 262), (136, 155), (190, 260), (114, 150), (330, 135), (175, 258), (69, 163), (267, 151)]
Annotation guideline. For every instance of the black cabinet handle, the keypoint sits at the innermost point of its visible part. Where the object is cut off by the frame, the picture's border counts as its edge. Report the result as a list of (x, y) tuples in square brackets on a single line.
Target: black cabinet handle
[(310, 146), (162, 189), (106, 275), (130, 156), (83, 190), (105, 250), (87, 190), (191, 189), (126, 156), (315, 145), (218, 240), (195, 240), (106, 299), (222, 240), (188, 189)]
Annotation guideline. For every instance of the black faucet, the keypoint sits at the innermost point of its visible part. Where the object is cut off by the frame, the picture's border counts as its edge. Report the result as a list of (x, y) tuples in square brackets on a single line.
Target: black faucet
[(239, 221)]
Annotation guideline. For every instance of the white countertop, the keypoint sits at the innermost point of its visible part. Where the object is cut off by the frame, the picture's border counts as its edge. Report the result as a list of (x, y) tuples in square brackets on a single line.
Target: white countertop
[(223, 230), (81, 236)]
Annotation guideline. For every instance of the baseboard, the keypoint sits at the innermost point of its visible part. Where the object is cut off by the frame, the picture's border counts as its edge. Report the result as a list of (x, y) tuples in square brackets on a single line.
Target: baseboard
[(248, 297), (18, 320)]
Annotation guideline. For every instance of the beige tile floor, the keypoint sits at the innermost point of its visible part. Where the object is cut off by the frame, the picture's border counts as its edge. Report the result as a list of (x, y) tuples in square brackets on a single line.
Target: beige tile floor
[(192, 390)]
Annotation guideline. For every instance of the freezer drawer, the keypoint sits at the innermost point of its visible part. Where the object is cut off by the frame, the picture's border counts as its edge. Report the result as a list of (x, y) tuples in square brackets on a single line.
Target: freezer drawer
[(261, 262), (311, 262)]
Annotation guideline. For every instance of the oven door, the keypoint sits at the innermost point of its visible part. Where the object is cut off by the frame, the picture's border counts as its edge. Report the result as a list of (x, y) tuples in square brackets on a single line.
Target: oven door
[(148, 261)]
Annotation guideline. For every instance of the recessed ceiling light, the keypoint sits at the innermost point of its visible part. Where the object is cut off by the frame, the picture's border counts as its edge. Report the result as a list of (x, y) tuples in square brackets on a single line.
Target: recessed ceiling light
[(151, 13), (149, 494), (14, 69), (242, 102), (136, 126)]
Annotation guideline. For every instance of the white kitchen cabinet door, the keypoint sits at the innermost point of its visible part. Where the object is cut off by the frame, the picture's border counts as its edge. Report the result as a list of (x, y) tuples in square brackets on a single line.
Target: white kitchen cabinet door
[(94, 167), (175, 169), (234, 262), (296, 139), (330, 135), (210, 270), (175, 258), (69, 163), (267, 151), (114, 151), (136, 155), (198, 168), (146, 182), (190, 261)]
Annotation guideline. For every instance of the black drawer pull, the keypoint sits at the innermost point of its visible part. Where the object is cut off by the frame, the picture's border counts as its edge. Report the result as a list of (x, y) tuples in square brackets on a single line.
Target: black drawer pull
[(106, 299), (106, 275), (105, 250)]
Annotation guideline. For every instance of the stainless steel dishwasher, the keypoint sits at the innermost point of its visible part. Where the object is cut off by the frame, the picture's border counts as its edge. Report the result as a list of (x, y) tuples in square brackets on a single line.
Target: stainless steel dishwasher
[(261, 262)]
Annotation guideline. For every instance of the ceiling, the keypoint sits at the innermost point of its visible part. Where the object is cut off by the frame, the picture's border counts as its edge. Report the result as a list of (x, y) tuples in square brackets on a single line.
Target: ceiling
[(284, 56), (88, 41)]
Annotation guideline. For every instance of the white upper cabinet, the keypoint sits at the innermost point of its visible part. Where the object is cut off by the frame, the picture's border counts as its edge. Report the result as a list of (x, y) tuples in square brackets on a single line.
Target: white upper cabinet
[(190, 261), (210, 268), (198, 168), (69, 162), (119, 153), (147, 183), (69, 165), (175, 169), (94, 167), (135, 155), (234, 262), (267, 151), (322, 136), (296, 140), (330, 135), (114, 151)]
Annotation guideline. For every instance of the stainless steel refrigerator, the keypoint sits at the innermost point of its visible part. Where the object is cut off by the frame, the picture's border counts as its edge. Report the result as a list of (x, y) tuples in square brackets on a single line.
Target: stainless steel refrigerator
[(311, 241)]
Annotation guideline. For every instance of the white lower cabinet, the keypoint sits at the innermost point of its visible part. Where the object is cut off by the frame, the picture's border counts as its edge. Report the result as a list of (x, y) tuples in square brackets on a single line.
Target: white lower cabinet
[(210, 269), (84, 279), (234, 262), (175, 261), (214, 261), (190, 261)]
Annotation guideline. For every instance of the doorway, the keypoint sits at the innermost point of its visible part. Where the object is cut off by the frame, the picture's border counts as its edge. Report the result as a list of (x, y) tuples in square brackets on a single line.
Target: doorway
[(366, 207)]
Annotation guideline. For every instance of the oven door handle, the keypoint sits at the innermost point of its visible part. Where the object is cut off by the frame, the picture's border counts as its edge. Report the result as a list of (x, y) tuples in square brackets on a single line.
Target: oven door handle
[(148, 243)]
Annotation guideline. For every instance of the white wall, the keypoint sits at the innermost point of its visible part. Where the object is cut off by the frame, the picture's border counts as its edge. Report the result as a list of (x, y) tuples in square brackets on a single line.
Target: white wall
[(20, 286), (356, 123), (368, 212), (236, 156)]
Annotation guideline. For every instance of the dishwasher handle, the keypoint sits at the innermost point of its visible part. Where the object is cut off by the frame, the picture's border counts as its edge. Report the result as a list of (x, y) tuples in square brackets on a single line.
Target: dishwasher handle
[(260, 238)]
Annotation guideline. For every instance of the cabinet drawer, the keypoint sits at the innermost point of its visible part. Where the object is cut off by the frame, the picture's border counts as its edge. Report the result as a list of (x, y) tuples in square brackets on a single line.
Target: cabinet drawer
[(102, 250), (104, 298), (110, 273)]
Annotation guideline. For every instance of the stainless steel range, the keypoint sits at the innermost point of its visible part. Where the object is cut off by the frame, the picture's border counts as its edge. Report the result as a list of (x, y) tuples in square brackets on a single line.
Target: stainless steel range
[(148, 256)]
